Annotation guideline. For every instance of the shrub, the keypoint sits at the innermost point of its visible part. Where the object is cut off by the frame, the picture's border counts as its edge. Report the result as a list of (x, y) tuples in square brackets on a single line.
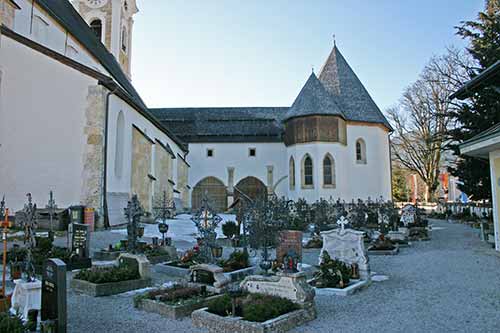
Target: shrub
[(221, 306), (237, 260), (114, 274), (11, 324), (260, 308), (230, 229)]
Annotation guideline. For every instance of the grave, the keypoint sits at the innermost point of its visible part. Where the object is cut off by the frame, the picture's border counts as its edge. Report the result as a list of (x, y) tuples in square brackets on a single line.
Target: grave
[(292, 286), (347, 246), (289, 240), (211, 275), (26, 296), (54, 307), (80, 246), (408, 214)]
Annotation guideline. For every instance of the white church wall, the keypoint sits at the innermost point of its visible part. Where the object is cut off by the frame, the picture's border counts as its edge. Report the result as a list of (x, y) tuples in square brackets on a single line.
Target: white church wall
[(352, 180), (236, 155), (122, 183), (47, 32), (41, 132)]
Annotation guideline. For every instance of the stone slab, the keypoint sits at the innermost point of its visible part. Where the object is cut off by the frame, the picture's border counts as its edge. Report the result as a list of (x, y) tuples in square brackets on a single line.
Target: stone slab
[(383, 252), (354, 286), (167, 269), (104, 255), (107, 289), (218, 324), (291, 286), (240, 274), (143, 263)]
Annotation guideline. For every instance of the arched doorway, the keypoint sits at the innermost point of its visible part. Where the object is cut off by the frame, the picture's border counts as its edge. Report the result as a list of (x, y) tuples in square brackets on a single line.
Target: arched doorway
[(216, 193), (252, 187)]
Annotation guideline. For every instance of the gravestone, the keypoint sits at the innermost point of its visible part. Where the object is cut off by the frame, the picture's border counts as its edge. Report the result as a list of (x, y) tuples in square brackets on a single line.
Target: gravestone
[(347, 246), (80, 239), (138, 261), (408, 214), (292, 286), (289, 241), (54, 310), (209, 274)]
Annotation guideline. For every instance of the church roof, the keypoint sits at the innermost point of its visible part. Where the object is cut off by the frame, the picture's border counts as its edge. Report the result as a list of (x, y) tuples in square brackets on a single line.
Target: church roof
[(340, 80), (64, 13), (224, 124), (313, 99)]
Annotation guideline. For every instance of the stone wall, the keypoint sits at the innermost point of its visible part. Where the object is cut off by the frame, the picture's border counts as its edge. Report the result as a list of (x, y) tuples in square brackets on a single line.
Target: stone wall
[(93, 156), (182, 181), (162, 172), (141, 168)]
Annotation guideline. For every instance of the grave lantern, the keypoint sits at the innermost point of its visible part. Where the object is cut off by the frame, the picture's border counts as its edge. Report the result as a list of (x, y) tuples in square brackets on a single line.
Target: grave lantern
[(76, 214), (216, 251)]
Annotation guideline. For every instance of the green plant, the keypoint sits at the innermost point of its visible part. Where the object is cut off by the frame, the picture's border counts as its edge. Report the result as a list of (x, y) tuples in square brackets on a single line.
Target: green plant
[(230, 229), (237, 260), (332, 273), (114, 274), (221, 306), (11, 324), (260, 308)]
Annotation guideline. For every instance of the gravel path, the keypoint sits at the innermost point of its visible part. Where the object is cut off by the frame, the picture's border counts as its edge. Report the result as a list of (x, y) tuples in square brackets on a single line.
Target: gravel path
[(451, 283)]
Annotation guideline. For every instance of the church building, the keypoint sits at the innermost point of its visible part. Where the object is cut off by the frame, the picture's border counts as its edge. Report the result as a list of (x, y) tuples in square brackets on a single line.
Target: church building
[(72, 122)]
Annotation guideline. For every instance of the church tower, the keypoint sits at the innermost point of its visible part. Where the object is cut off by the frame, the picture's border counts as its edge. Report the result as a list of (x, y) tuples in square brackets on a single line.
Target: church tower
[(112, 22)]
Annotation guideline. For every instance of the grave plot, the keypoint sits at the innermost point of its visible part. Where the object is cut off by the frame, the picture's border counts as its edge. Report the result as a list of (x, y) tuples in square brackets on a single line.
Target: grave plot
[(175, 302), (415, 226), (131, 272), (343, 265), (263, 304)]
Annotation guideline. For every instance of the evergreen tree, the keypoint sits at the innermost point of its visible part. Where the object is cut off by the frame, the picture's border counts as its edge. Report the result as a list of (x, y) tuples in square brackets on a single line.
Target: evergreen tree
[(400, 188), (482, 110)]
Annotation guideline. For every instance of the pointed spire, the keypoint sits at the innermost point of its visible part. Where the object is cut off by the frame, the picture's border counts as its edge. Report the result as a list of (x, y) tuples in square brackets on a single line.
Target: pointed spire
[(339, 79), (313, 99)]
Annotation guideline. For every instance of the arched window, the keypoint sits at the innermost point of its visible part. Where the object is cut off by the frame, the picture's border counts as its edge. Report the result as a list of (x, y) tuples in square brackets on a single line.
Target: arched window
[(307, 172), (360, 151), (328, 171), (291, 175), (96, 27), (124, 39), (119, 144)]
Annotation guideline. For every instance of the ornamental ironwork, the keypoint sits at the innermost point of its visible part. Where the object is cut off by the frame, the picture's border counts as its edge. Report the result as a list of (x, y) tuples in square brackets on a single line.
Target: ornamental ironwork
[(206, 221), (29, 223), (133, 213)]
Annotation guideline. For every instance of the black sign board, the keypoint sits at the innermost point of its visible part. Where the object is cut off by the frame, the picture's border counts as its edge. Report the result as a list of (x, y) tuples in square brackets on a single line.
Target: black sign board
[(81, 239), (54, 310)]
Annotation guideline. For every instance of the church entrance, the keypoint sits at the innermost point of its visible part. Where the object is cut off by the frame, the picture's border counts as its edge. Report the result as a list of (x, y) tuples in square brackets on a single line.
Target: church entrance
[(215, 191), (251, 187)]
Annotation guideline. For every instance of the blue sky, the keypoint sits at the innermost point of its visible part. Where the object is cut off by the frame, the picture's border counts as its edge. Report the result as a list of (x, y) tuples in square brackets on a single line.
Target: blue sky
[(260, 52)]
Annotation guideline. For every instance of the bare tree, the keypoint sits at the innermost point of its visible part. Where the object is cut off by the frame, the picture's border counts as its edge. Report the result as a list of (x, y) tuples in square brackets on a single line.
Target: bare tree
[(422, 118)]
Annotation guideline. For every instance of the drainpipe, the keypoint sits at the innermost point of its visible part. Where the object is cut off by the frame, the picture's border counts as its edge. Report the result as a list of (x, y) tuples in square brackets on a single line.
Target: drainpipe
[(105, 178), (390, 164)]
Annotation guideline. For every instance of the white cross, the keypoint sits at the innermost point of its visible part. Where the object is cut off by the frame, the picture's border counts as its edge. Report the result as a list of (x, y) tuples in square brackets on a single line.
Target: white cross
[(342, 222)]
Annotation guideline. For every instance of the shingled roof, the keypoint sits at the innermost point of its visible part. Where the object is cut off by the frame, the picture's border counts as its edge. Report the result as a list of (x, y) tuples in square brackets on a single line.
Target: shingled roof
[(224, 124), (341, 81), (313, 99)]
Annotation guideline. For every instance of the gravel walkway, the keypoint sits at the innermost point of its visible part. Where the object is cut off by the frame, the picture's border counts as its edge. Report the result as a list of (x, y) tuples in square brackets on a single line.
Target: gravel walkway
[(451, 283)]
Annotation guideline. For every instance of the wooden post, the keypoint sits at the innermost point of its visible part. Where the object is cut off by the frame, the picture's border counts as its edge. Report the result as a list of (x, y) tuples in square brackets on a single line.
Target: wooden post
[(5, 225)]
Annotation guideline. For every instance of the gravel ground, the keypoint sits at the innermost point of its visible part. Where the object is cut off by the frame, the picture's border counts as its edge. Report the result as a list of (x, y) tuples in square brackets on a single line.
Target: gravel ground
[(450, 283)]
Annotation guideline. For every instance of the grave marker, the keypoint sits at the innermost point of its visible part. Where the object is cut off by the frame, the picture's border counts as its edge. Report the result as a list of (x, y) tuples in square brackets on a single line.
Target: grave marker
[(289, 241), (54, 304)]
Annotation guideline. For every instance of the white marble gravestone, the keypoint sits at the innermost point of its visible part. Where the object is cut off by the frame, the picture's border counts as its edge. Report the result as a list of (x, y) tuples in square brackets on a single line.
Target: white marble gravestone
[(408, 214), (292, 286), (26, 296), (347, 246)]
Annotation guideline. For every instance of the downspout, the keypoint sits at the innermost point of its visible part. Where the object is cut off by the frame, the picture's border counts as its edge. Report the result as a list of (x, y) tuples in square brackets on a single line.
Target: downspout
[(105, 178), (390, 164)]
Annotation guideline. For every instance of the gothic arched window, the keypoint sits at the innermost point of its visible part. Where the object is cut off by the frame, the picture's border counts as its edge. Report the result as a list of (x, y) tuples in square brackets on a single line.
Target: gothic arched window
[(328, 171), (291, 175), (96, 27), (307, 172), (119, 144), (360, 151)]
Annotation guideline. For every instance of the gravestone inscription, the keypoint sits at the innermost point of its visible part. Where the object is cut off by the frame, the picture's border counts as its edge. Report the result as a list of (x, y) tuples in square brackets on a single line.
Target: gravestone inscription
[(289, 241), (80, 242), (54, 307)]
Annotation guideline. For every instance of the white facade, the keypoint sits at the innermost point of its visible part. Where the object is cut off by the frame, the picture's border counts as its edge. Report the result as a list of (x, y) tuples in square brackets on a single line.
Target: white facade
[(352, 180)]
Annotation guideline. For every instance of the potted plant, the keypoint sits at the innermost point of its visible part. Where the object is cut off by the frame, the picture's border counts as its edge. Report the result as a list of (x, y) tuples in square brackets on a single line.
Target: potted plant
[(230, 229)]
